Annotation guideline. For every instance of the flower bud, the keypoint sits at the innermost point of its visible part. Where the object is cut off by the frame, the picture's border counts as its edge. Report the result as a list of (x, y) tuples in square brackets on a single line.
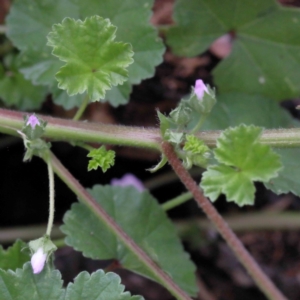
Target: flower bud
[(33, 121), (200, 89), (38, 260)]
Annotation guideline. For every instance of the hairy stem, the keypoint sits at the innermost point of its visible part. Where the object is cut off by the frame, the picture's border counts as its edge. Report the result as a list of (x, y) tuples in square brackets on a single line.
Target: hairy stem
[(51, 198), (258, 276), (90, 202), (75, 131)]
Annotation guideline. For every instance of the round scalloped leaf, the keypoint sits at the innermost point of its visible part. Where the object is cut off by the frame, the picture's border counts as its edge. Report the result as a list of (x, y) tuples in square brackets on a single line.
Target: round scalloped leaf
[(288, 178), (98, 286), (94, 62), (61, 97), (236, 108), (141, 217), (131, 18), (265, 48), (23, 284), (15, 256), (16, 91), (242, 160), (133, 21), (28, 23)]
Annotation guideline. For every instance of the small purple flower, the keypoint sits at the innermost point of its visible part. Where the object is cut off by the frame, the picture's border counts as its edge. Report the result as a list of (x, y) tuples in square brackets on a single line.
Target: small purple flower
[(38, 260), (200, 89), (128, 179), (33, 121)]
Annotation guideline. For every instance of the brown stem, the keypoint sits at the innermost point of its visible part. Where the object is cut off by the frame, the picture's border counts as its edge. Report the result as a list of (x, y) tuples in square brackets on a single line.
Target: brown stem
[(262, 281), (90, 202)]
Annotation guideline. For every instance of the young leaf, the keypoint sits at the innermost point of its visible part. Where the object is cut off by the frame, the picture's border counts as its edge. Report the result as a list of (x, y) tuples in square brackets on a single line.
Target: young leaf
[(23, 284), (133, 21), (235, 108), (14, 257), (260, 34), (101, 158), (131, 18), (242, 160), (94, 62), (154, 233), (98, 286)]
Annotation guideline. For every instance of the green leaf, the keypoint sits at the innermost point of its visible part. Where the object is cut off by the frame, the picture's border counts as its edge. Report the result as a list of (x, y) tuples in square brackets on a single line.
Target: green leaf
[(234, 109), (14, 257), (131, 18), (154, 233), (119, 95), (288, 178), (101, 158), (242, 160), (28, 24), (16, 91), (98, 286), (94, 62), (133, 21), (23, 284), (265, 44), (60, 97)]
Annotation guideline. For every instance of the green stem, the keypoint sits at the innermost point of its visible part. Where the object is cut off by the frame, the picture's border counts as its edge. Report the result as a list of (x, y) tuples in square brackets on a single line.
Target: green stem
[(85, 132), (254, 270), (82, 108), (51, 198), (199, 124), (177, 201), (74, 131), (92, 204)]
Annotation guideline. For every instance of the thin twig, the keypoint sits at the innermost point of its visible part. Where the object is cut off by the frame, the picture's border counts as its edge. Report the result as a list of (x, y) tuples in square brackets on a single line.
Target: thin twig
[(259, 277)]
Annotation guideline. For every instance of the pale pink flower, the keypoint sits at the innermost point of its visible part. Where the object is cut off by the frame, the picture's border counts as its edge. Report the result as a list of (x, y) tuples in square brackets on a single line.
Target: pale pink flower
[(38, 260), (33, 121), (222, 46), (200, 89), (128, 179)]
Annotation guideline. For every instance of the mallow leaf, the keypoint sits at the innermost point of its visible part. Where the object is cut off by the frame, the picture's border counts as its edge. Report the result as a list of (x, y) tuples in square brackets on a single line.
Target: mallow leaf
[(94, 61), (141, 217), (28, 23), (19, 92), (288, 178), (101, 158), (98, 286), (132, 19), (242, 160), (265, 43), (15, 256), (24, 285), (234, 109)]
